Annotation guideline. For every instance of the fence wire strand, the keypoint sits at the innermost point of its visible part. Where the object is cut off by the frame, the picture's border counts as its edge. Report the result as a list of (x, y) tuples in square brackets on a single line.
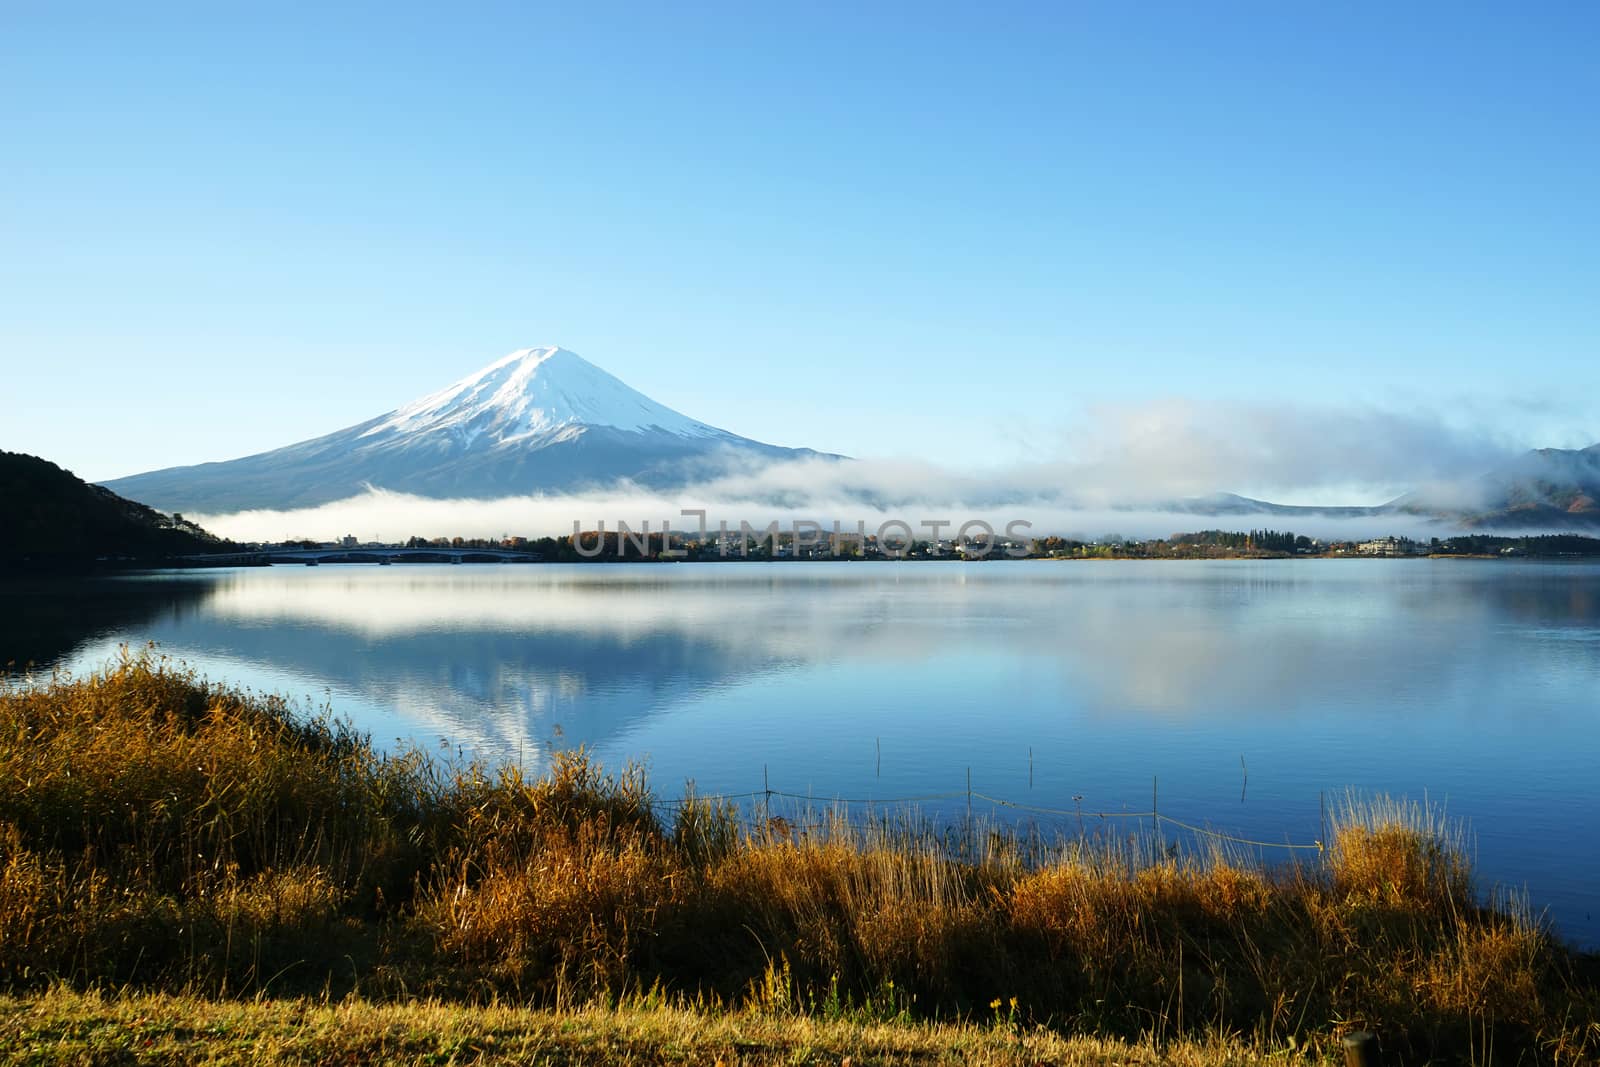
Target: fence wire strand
[(1001, 802)]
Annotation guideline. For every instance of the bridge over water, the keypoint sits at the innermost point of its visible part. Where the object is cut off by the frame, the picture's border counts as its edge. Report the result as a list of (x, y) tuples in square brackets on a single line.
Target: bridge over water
[(315, 556)]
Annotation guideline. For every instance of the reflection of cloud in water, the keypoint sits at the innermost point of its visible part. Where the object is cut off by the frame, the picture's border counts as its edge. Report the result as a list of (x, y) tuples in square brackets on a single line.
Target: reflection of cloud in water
[(1375, 636), (494, 691), (500, 657), (1470, 679)]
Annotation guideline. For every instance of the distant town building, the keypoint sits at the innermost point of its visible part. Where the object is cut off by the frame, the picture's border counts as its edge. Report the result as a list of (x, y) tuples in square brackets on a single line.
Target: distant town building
[(1390, 546)]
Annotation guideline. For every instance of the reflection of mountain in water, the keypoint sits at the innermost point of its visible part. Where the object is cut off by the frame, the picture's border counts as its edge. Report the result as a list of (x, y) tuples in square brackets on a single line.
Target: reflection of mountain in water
[(493, 690), (42, 621), (500, 658), (1473, 681), (504, 660)]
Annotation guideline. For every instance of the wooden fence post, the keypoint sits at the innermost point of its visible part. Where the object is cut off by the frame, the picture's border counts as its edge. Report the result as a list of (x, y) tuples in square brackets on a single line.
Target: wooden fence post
[(1360, 1049), (972, 845)]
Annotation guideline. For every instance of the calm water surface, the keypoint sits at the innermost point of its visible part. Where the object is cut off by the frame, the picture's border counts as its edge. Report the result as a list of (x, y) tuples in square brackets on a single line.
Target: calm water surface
[(1473, 684)]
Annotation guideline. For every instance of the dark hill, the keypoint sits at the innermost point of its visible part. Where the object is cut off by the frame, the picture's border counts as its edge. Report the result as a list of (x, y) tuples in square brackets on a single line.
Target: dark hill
[(52, 520)]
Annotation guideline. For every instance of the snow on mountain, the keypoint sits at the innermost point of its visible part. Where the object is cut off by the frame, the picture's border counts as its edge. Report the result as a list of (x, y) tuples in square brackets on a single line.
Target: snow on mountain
[(538, 420), (546, 420), (534, 394)]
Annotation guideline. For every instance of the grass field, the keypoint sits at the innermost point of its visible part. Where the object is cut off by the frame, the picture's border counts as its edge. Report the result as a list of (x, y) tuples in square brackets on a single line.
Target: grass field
[(68, 1027), (211, 856)]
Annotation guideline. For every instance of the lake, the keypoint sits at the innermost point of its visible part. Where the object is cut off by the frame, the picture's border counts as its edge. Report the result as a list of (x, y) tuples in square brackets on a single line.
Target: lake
[(1239, 695)]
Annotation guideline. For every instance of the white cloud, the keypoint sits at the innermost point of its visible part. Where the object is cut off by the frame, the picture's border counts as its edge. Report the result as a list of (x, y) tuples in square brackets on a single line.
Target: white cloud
[(1120, 466)]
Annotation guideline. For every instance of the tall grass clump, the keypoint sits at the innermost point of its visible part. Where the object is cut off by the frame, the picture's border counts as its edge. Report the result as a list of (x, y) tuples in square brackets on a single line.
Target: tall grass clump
[(160, 831), (552, 883), (1399, 854), (154, 825)]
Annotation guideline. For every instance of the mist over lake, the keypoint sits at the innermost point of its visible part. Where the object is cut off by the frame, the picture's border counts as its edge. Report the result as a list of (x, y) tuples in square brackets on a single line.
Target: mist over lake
[(1242, 693)]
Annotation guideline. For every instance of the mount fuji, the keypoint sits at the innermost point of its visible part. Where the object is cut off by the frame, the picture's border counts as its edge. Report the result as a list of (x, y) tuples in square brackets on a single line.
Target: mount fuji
[(540, 419)]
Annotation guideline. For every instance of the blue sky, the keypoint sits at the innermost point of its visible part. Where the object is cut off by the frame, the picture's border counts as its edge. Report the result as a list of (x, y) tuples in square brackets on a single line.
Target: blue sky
[(954, 232)]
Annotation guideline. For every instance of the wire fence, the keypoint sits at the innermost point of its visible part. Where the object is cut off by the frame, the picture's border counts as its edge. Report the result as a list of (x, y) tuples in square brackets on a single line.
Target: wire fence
[(972, 797)]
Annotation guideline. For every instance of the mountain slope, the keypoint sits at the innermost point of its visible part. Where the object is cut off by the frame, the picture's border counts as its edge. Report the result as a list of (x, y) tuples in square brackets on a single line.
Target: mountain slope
[(539, 419), (1545, 489), (50, 518), (1218, 504)]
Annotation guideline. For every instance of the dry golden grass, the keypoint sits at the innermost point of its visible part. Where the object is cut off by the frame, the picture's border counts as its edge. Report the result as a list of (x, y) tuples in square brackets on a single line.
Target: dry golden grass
[(158, 833), (65, 1027), (1398, 854)]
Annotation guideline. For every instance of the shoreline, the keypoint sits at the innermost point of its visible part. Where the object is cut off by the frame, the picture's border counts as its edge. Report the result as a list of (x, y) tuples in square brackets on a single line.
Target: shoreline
[(174, 837), (23, 573)]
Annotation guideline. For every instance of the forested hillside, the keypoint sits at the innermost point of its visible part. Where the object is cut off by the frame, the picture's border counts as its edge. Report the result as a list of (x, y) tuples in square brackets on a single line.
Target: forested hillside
[(51, 519)]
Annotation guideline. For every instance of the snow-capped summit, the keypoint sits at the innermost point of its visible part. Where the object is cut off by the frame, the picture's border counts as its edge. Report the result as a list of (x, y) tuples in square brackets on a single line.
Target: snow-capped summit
[(532, 394), (539, 419)]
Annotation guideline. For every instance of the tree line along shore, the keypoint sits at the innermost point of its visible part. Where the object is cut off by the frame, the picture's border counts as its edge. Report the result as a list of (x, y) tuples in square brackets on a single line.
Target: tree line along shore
[(612, 546)]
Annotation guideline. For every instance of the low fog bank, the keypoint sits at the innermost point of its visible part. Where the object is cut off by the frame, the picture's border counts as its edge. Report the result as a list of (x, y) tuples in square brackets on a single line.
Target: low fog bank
[(1170, 448), (385, 516), (1136, 471)]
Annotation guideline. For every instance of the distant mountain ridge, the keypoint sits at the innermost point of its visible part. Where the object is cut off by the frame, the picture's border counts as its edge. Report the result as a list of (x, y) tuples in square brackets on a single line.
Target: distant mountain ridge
[(1554, 489), (537, 420), (546, 420), (1547, 488), (50, 519), (1234, 504)]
